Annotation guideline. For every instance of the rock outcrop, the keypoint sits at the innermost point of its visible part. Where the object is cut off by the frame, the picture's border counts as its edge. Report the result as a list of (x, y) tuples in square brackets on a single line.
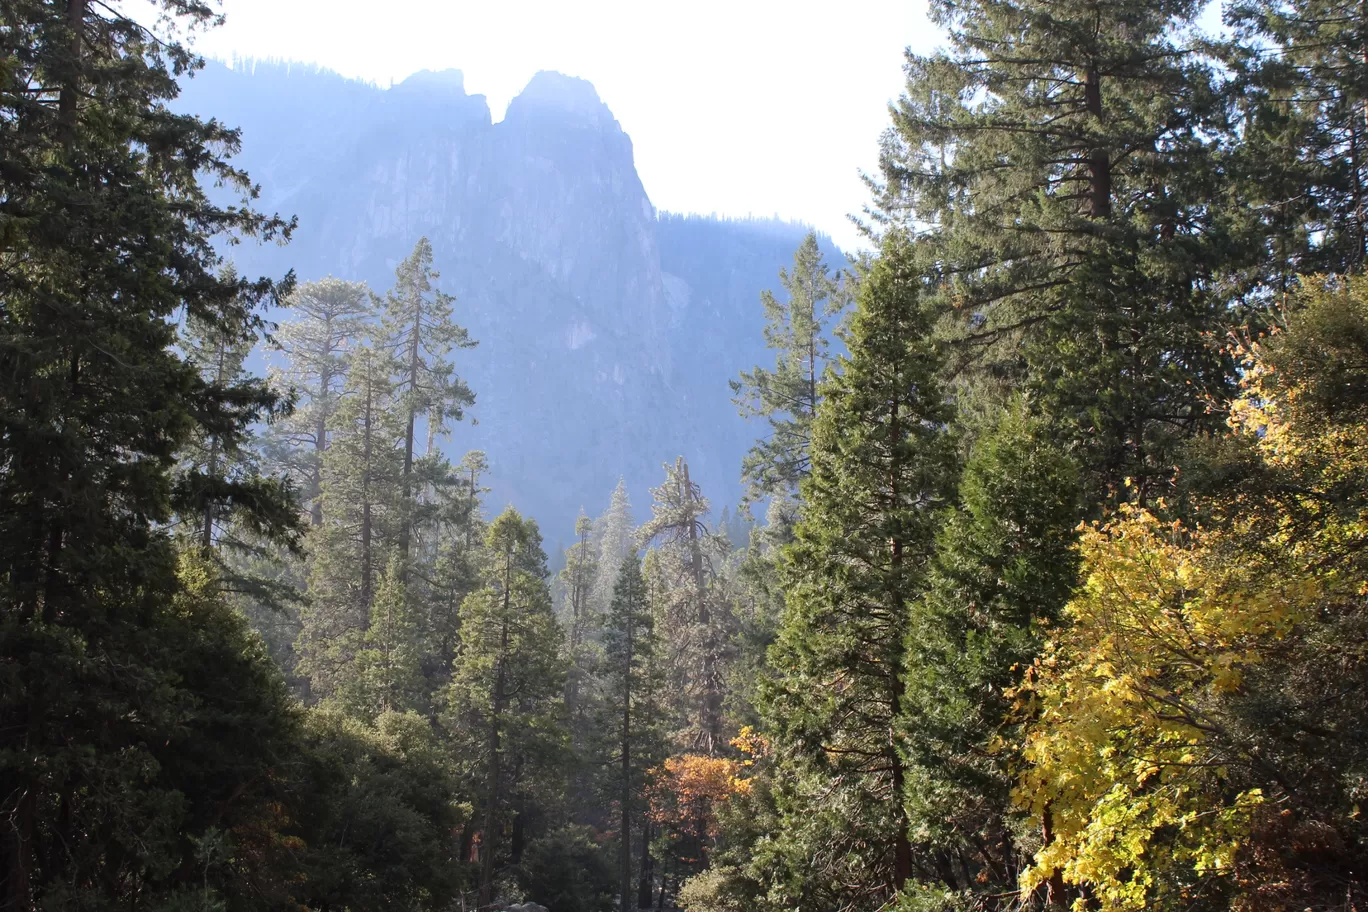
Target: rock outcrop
[(607, 334)]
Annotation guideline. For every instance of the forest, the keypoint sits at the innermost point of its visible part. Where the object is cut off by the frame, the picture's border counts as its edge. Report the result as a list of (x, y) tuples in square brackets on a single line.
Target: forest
[(1049, 590)]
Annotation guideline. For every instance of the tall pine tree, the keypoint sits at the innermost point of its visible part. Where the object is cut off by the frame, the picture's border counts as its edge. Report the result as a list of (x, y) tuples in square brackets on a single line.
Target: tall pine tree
[(631, 713), (787, 396), (882, 472), (362, 509), (506, 687), (419, 334), (1060, 162), (689, 559), (138, 719), (328, 321)]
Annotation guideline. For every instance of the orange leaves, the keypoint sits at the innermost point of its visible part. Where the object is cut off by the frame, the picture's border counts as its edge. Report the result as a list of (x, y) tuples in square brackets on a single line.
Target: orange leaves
[(686, 790)]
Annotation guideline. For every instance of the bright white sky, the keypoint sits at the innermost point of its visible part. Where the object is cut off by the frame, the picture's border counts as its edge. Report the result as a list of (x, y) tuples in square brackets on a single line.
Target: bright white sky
[(740, 107)]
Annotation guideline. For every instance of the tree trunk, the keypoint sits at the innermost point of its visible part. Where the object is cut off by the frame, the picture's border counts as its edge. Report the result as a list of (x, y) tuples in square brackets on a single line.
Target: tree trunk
[(320, 447), (495, 722), (406, 521), (71, 89), (712, 699), (1099, 159), (625, 798), (211, 467), (367, 571), (644, 875)]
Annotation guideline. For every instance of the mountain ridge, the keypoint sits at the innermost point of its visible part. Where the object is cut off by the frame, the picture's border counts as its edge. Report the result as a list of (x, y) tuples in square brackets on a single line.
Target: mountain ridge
[(608, 331)]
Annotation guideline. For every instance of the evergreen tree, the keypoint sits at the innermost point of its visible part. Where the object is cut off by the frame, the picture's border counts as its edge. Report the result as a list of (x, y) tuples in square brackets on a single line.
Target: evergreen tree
[(614, 537), (1300, 91), (455, 572), (236, 515), (882, 472), (581, 624), (631, 711), (386, 672), (329, 320), (362, 507), (138, 718), (581, 567), (419, 334), (787, 396), (1061, 164), (688, 556), (1003, 569), (508, 678)]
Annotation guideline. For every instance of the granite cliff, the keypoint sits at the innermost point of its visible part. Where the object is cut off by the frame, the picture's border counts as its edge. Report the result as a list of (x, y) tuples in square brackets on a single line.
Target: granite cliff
[(607, 331)]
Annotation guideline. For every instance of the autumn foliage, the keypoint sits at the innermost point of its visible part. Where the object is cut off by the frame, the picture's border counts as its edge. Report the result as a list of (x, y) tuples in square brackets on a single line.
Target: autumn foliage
[(1198, 731)]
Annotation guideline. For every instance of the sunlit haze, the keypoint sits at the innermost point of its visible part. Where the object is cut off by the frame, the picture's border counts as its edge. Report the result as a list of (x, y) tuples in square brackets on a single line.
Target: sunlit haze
[(757, 107)]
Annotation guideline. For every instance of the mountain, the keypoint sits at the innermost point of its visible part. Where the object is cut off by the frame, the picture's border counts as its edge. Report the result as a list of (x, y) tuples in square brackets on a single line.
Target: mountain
[(607, 331)]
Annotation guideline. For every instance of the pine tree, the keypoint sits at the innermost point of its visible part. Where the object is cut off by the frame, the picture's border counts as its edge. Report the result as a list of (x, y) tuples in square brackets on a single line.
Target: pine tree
[(362, 508), (581, 623), (328, 321), (1060, 163), (689, 554), (631, 711), (507, 682), (419, 334), (385, 675), (1301, 95), (237, 516), (137, 716), (581, 567), (787, 396), (614, 537), (1004, 568), (882, 472), (456, 567)]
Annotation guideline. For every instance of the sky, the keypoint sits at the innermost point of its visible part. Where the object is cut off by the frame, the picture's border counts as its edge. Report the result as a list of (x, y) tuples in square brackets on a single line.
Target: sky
[(735, 107)]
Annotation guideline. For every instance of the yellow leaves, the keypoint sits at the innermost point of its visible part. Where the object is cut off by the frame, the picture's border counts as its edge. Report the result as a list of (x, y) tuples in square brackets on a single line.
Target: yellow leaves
[(751, 743), (685, 790), (1139, 762), (1121, 770)]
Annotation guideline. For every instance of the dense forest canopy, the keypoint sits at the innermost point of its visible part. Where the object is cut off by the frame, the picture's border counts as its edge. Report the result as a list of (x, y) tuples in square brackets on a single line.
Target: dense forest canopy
[(1047, 591)]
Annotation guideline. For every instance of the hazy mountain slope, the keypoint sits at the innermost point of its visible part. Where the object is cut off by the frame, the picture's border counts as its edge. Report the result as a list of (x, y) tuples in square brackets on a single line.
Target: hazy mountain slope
[(607, 335)]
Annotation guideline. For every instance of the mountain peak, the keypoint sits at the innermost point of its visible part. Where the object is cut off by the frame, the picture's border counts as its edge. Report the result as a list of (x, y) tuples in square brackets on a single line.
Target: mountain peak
[(441, 80), (568, 97)]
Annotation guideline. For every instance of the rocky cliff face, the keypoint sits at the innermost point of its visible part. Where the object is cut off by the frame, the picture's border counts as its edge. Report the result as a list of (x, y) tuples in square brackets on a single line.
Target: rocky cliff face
[(594, 361)]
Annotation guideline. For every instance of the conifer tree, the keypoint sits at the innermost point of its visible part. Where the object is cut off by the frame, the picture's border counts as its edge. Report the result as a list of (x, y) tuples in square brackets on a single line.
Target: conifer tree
[(507, 682), (233, 513), (1003, 569), (385, 675), (581, 622), (882, 472), (328, 321), (614, 537), (581, 567), (1301, 95), (419, 334), (362, 506), (108, 639), (456, 567), (1059, 161), (787, 396), (631, 711), (689, 556), (243, 521)]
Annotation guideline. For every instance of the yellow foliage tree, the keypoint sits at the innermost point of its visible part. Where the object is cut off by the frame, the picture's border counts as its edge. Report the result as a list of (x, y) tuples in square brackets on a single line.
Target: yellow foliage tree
[(1194, 737)]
